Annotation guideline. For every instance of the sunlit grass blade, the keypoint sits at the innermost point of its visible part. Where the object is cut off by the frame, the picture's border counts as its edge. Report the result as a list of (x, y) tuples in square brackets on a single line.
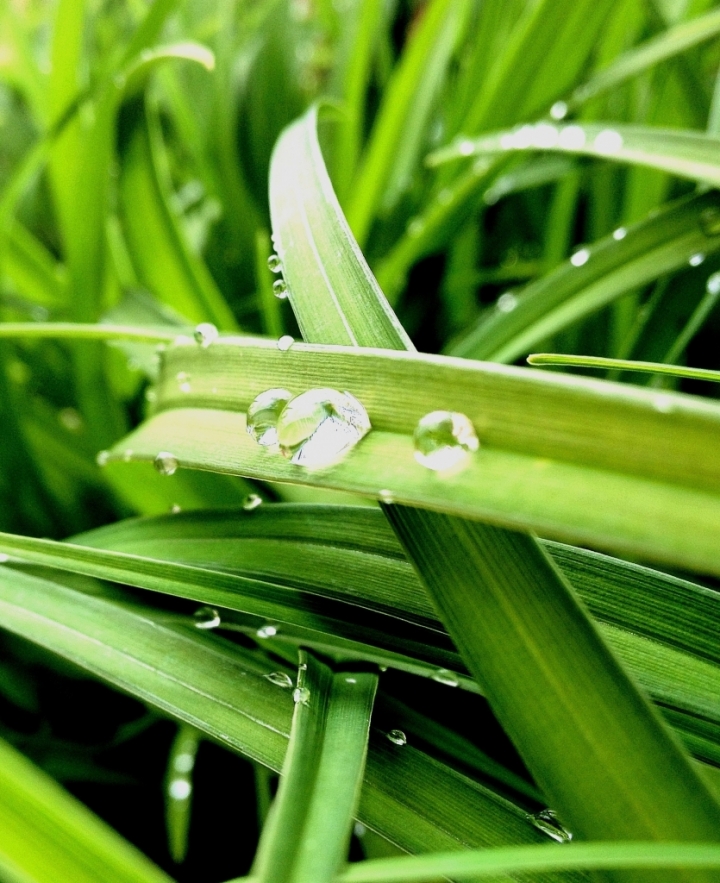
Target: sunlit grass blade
[(595, 276), (571, 361)]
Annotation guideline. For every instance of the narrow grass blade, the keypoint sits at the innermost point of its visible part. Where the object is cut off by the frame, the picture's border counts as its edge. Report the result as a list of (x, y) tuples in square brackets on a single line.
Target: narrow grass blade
[(33, 272), (179, 790), (306, 837), (571, 361)]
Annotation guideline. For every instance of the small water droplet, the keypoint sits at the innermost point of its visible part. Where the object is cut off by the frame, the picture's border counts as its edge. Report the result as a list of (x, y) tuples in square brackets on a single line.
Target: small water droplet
[(263, 415), (274, 263), (205, 333), (102, 458), (524, 137), (608, 141), (696, 259), (318, 427), (444, 439), (179, 789), (280, 289), (546, 136), (166, 463), (386, 496), (252, 502), (710, 221), (280, 679), (184, 762), (266, 631), (285, 343), (4, 558), (206, 618), (445, 676), (559, 110), (713, 284), (572, 137), (359, 830), (547, 822), (397, 737), (382, 667), (175, 508), (581, 257), (465, 146), (619, 234), (183, 381), (302, 666), (301, 696), (351, 680), (663, 403), (507, 302)]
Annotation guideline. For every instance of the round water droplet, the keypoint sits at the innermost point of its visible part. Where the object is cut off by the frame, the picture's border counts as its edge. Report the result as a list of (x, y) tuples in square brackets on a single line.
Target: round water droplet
[(507, 302), (102, 458), (252, 502), (397, 737), (559, 110), (359, 830), (696, 259), (166, 463), (546, 136), (710, 221), (183, 381), (280, 679), (179, 789), (713, 284), (205, 333), (608, 141), (184, 762), (524, 137), (547, 822), (465, 146), (285, 343), (266, 631), (206, 618), (317, 428), (581, 257), (274, 263), (445, 676), (663, 403), (263, 414), (572, 137), (280, 289), (619, 234), (444, 439), (301, 696), (175, 509)]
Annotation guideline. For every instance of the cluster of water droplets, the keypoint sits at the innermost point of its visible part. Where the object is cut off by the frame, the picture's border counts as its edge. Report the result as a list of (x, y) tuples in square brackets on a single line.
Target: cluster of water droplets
[(444, 440), (280, 286), (547, 821), (548, 136)]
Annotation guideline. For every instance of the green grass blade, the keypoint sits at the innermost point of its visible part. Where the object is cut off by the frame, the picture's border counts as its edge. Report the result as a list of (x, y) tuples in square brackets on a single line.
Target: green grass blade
[(560, 359), (307, 833), (179, 790), (48, 836), (33, 272)]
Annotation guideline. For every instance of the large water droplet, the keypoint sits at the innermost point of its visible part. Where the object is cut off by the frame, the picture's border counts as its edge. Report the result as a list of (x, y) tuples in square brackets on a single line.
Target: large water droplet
[(444, 439), (206, 618), (582, 256), (285, 342), (205, 333), (274, 263), (301, 696), (266, 631), (619, 234), (252, 502), (608, 141), (507, 302), (280, 679), (397, 737), (280, 289), (559, 110), (183, 381), (713, 284), (166, 463), (445, 676), (696, 259), (179, 789), (710, 221), (547, 822), (263, 414), (572, 137), (317, 428)]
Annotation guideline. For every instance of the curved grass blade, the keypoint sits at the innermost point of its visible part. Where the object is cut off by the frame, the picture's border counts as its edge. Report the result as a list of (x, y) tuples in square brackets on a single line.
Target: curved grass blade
[(561, 359)]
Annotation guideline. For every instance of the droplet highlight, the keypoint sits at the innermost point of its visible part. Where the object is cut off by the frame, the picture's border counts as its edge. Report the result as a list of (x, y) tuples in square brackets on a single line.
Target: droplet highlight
[(274, 263), (696, 259), (266, 631), (580, 258), (285, 342), (713, 284), (397, 737), (547, 822), (166, 463), (319, 427), (280, 679), (252, 502), (444, 440), (206, 618), (179, 789), (619, 234), (264, 413), (205, 333)]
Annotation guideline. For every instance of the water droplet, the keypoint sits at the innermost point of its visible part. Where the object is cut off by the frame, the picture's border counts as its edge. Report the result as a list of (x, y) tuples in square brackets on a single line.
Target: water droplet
[(351, 680), (102, 458), (581, 257), (465, 147), (175, 508), (507, 302), (397, 737), (619, 234), (4, 558), (184, 762), (302, 666), (205, 333), (206, 618), (274, 263), (507, 141), (524, 137), (166, 463), (386, 496), (179, 789), (183, 381), (285, 343), (547, 822), (572, 138), (710, 221), (444, 439), (546, 136), (445, 676), (252, 502), (382, 667), (608, 141), (696, 259), (359, 830), (559, 110), (318, 427), (280, 289), (713, 284), (663, 403), (266, 631), (263, 414), (280, 679), (301, 696), (127, 455)]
